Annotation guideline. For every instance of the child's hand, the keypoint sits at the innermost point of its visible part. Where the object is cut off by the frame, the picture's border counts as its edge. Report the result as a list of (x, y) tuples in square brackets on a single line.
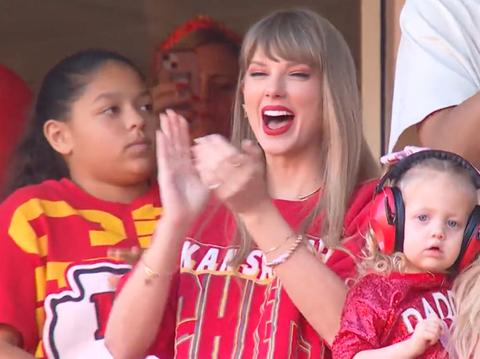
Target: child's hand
[(427, 332)]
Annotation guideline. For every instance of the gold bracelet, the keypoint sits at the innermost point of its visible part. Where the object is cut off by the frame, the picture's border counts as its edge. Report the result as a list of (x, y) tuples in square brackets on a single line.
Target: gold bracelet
[(277, 247), (149, 272)]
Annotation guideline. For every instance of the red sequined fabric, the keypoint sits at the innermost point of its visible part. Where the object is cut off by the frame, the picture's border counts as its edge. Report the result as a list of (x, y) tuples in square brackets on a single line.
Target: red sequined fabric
[(383, 310)]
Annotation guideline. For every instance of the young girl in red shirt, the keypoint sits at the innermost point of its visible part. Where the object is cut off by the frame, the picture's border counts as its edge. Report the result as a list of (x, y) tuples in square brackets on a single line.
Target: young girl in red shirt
[(426, 226)]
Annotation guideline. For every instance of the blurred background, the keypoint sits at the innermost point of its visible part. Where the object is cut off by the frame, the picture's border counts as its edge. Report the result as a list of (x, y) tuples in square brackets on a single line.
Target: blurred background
[(36, 34)]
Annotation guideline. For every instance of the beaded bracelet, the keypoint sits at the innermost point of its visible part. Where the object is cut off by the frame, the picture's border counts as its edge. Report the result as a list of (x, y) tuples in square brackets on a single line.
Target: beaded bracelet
[(273, 249), (282, 258)]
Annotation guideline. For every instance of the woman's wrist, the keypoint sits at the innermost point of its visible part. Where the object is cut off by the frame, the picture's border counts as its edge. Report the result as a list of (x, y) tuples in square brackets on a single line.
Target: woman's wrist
[(175, 224), (254, 212), (168, 236), (161, 256)]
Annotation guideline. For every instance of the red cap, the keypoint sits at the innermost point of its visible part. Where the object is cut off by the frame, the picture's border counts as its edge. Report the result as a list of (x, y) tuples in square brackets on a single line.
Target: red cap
[(189, 27)]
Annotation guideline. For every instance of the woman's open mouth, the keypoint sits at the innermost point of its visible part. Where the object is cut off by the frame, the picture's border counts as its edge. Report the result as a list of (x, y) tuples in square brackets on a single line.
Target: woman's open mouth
[(277, 120)]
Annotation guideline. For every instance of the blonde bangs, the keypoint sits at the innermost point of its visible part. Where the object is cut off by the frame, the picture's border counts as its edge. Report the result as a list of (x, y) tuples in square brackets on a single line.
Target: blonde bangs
[(281, 38)]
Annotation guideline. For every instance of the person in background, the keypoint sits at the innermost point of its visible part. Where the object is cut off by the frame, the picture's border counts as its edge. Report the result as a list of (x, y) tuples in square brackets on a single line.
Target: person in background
[(195, 72), (15, 101), (436, 99)]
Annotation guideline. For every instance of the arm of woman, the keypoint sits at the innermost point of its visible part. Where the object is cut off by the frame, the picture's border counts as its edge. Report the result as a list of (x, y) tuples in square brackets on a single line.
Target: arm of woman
[(463, 121), (436, 90), (140, 306)]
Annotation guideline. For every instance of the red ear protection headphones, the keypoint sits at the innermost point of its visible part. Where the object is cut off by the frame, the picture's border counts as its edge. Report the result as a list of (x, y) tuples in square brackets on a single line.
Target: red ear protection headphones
[(387, 218)]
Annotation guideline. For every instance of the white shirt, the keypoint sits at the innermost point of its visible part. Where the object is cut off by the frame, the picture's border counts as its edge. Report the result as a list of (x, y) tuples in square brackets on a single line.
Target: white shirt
[(438, 63)]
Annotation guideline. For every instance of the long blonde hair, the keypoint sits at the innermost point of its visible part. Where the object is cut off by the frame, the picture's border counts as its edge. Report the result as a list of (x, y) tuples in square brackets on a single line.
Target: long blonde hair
[(465, 336), (303, 36)]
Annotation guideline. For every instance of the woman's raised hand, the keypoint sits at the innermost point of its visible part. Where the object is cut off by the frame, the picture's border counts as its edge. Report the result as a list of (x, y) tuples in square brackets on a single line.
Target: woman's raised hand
[(236, 176), (168, 94), (183, 194)]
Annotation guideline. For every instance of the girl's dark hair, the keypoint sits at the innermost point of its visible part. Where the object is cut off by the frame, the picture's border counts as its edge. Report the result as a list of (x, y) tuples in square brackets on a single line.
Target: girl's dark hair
[(35, 160)]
